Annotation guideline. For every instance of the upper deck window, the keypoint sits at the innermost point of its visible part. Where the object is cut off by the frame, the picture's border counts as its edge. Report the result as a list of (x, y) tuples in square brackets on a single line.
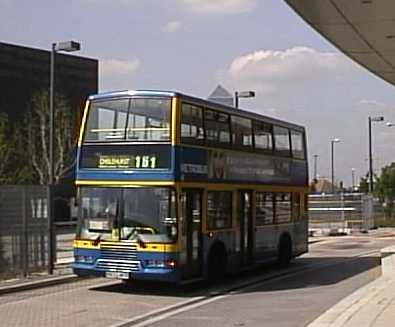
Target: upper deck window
[(192, 124), (107, 120), (263, 136), (281, 141), (217, 127), (136, 119), (297, 145), (241, 132)]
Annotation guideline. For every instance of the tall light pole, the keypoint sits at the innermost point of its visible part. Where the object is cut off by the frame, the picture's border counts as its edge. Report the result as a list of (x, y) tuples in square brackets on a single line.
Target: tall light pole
[(370, 120), (353, 179), (333, 141), (315, 166), (243, 94), (68, 46)]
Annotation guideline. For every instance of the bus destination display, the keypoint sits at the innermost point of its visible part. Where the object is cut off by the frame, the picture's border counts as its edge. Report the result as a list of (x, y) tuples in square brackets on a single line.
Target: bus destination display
[(123, 161), (126, 157)]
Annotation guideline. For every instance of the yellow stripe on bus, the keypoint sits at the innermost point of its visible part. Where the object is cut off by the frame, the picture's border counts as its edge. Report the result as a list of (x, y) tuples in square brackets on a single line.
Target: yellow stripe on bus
[(174, 121), (149, 247), (207, 186), (83, 122), (250, 186), (123, 183)]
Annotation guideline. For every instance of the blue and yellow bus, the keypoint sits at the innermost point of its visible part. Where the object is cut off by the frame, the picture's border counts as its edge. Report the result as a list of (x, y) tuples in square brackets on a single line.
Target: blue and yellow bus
[(175, 188)]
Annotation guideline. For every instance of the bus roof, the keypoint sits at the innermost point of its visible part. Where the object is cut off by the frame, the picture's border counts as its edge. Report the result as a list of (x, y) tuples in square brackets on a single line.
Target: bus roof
[(194, 100)]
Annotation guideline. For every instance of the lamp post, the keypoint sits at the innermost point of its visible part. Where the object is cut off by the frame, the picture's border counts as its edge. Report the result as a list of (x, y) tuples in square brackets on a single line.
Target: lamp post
[(333, 141), (353, 179), (370, 120), (243, 94), (315, 166), (68, 46)]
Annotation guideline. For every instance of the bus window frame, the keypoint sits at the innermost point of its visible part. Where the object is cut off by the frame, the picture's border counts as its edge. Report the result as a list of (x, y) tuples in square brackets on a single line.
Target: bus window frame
[(239, 147), (302, 134), (231, 211), (217, 144), (125, 140), (261, 150), (190, 140), (282, 153)]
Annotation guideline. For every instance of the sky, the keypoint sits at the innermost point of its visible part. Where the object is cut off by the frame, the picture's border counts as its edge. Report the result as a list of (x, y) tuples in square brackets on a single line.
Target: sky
[(191, 46)]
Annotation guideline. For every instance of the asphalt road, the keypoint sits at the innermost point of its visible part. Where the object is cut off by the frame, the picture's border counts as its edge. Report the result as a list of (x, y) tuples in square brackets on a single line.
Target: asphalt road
[(313, 283)]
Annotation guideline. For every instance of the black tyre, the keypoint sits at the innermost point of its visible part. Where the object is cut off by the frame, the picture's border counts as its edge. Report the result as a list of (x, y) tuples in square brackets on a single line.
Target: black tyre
[(217, 263), (284, 251)]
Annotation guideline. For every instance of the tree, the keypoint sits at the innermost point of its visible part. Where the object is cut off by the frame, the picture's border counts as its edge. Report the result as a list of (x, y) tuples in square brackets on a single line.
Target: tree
[(5, 148), (385, 188), (364, 185), (37, 125)]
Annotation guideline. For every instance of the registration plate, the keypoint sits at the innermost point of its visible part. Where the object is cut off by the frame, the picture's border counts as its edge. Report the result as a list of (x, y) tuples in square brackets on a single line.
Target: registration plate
[(117, 275)]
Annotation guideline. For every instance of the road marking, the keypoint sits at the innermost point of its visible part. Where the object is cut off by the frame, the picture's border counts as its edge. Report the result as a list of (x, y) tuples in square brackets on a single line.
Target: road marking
[(166, 312)]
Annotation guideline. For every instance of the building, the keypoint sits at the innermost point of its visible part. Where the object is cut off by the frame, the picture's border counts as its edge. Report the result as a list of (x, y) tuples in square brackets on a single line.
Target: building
[(24, 71), (364, 30), (222, 96)]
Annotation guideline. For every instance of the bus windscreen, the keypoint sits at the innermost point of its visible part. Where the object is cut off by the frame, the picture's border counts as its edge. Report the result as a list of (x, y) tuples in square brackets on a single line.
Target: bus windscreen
[(129, 119)]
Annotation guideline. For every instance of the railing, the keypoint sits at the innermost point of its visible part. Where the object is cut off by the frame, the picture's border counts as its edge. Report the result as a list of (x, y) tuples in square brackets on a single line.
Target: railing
[(24, 231), (342, 212)]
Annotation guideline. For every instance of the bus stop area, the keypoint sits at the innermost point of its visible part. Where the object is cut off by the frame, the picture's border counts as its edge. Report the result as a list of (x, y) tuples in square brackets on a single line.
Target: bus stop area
[(371, 305)]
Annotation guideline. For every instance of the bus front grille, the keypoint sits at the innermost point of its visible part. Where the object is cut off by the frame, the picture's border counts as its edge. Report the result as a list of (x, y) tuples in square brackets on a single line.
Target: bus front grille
[(118, 265), (119, 251)]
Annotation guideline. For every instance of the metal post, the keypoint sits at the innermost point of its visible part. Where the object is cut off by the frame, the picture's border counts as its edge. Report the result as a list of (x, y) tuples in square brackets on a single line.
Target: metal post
[(370, 156), (315, 167), (50, 216), (236, 99), (332, 167), (51, 116), (353, 179), (25, 235)]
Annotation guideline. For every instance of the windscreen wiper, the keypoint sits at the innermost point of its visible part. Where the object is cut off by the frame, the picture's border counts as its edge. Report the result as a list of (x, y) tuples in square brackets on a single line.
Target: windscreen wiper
[(97, 240)]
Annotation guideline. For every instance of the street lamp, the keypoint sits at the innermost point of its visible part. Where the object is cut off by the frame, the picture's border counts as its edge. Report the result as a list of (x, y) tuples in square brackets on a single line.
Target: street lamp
[(315, 167), (370, 120), (243, 94), (333, 141), (68, 46), (353, 179)]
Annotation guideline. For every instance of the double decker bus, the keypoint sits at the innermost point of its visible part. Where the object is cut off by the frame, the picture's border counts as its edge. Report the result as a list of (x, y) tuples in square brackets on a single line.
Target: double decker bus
[(175, 188)]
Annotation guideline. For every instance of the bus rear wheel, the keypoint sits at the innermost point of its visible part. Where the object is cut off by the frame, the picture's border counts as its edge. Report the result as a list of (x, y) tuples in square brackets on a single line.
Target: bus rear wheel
[(217, 263), (284, 251)]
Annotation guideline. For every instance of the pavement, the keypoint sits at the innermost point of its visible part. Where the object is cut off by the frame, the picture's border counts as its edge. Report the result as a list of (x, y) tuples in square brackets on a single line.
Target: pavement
[(371, 305)]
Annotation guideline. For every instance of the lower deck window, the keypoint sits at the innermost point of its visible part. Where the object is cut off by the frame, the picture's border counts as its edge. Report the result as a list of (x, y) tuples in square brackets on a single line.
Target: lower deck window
[(219, 207), (283, 208), (264, 208)]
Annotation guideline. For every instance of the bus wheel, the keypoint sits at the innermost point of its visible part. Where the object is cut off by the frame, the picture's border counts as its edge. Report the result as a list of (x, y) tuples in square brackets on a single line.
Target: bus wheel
[(217, 263), (284, 251)]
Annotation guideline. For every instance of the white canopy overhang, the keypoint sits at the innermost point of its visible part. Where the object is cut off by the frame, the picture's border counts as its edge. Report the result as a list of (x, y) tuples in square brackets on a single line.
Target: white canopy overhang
[(363, 29)]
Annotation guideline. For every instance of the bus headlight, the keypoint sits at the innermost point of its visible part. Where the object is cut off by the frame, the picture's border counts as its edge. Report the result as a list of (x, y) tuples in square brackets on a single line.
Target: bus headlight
[(84, 259), (160, 263)]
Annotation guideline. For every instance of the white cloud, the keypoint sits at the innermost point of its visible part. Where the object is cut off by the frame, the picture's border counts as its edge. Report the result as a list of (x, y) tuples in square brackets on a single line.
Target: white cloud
[(117, 74), (171, 27), (219, 7), (373, 103), (270, 70)]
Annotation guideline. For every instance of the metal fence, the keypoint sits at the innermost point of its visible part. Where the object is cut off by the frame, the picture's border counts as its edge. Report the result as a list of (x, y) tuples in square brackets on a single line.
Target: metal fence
[(23, 230), (343, 212)]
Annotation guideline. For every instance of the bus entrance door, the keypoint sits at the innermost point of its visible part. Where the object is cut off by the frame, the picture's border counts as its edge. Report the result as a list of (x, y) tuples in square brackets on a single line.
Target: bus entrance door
[(192, 232), (246, 228)]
